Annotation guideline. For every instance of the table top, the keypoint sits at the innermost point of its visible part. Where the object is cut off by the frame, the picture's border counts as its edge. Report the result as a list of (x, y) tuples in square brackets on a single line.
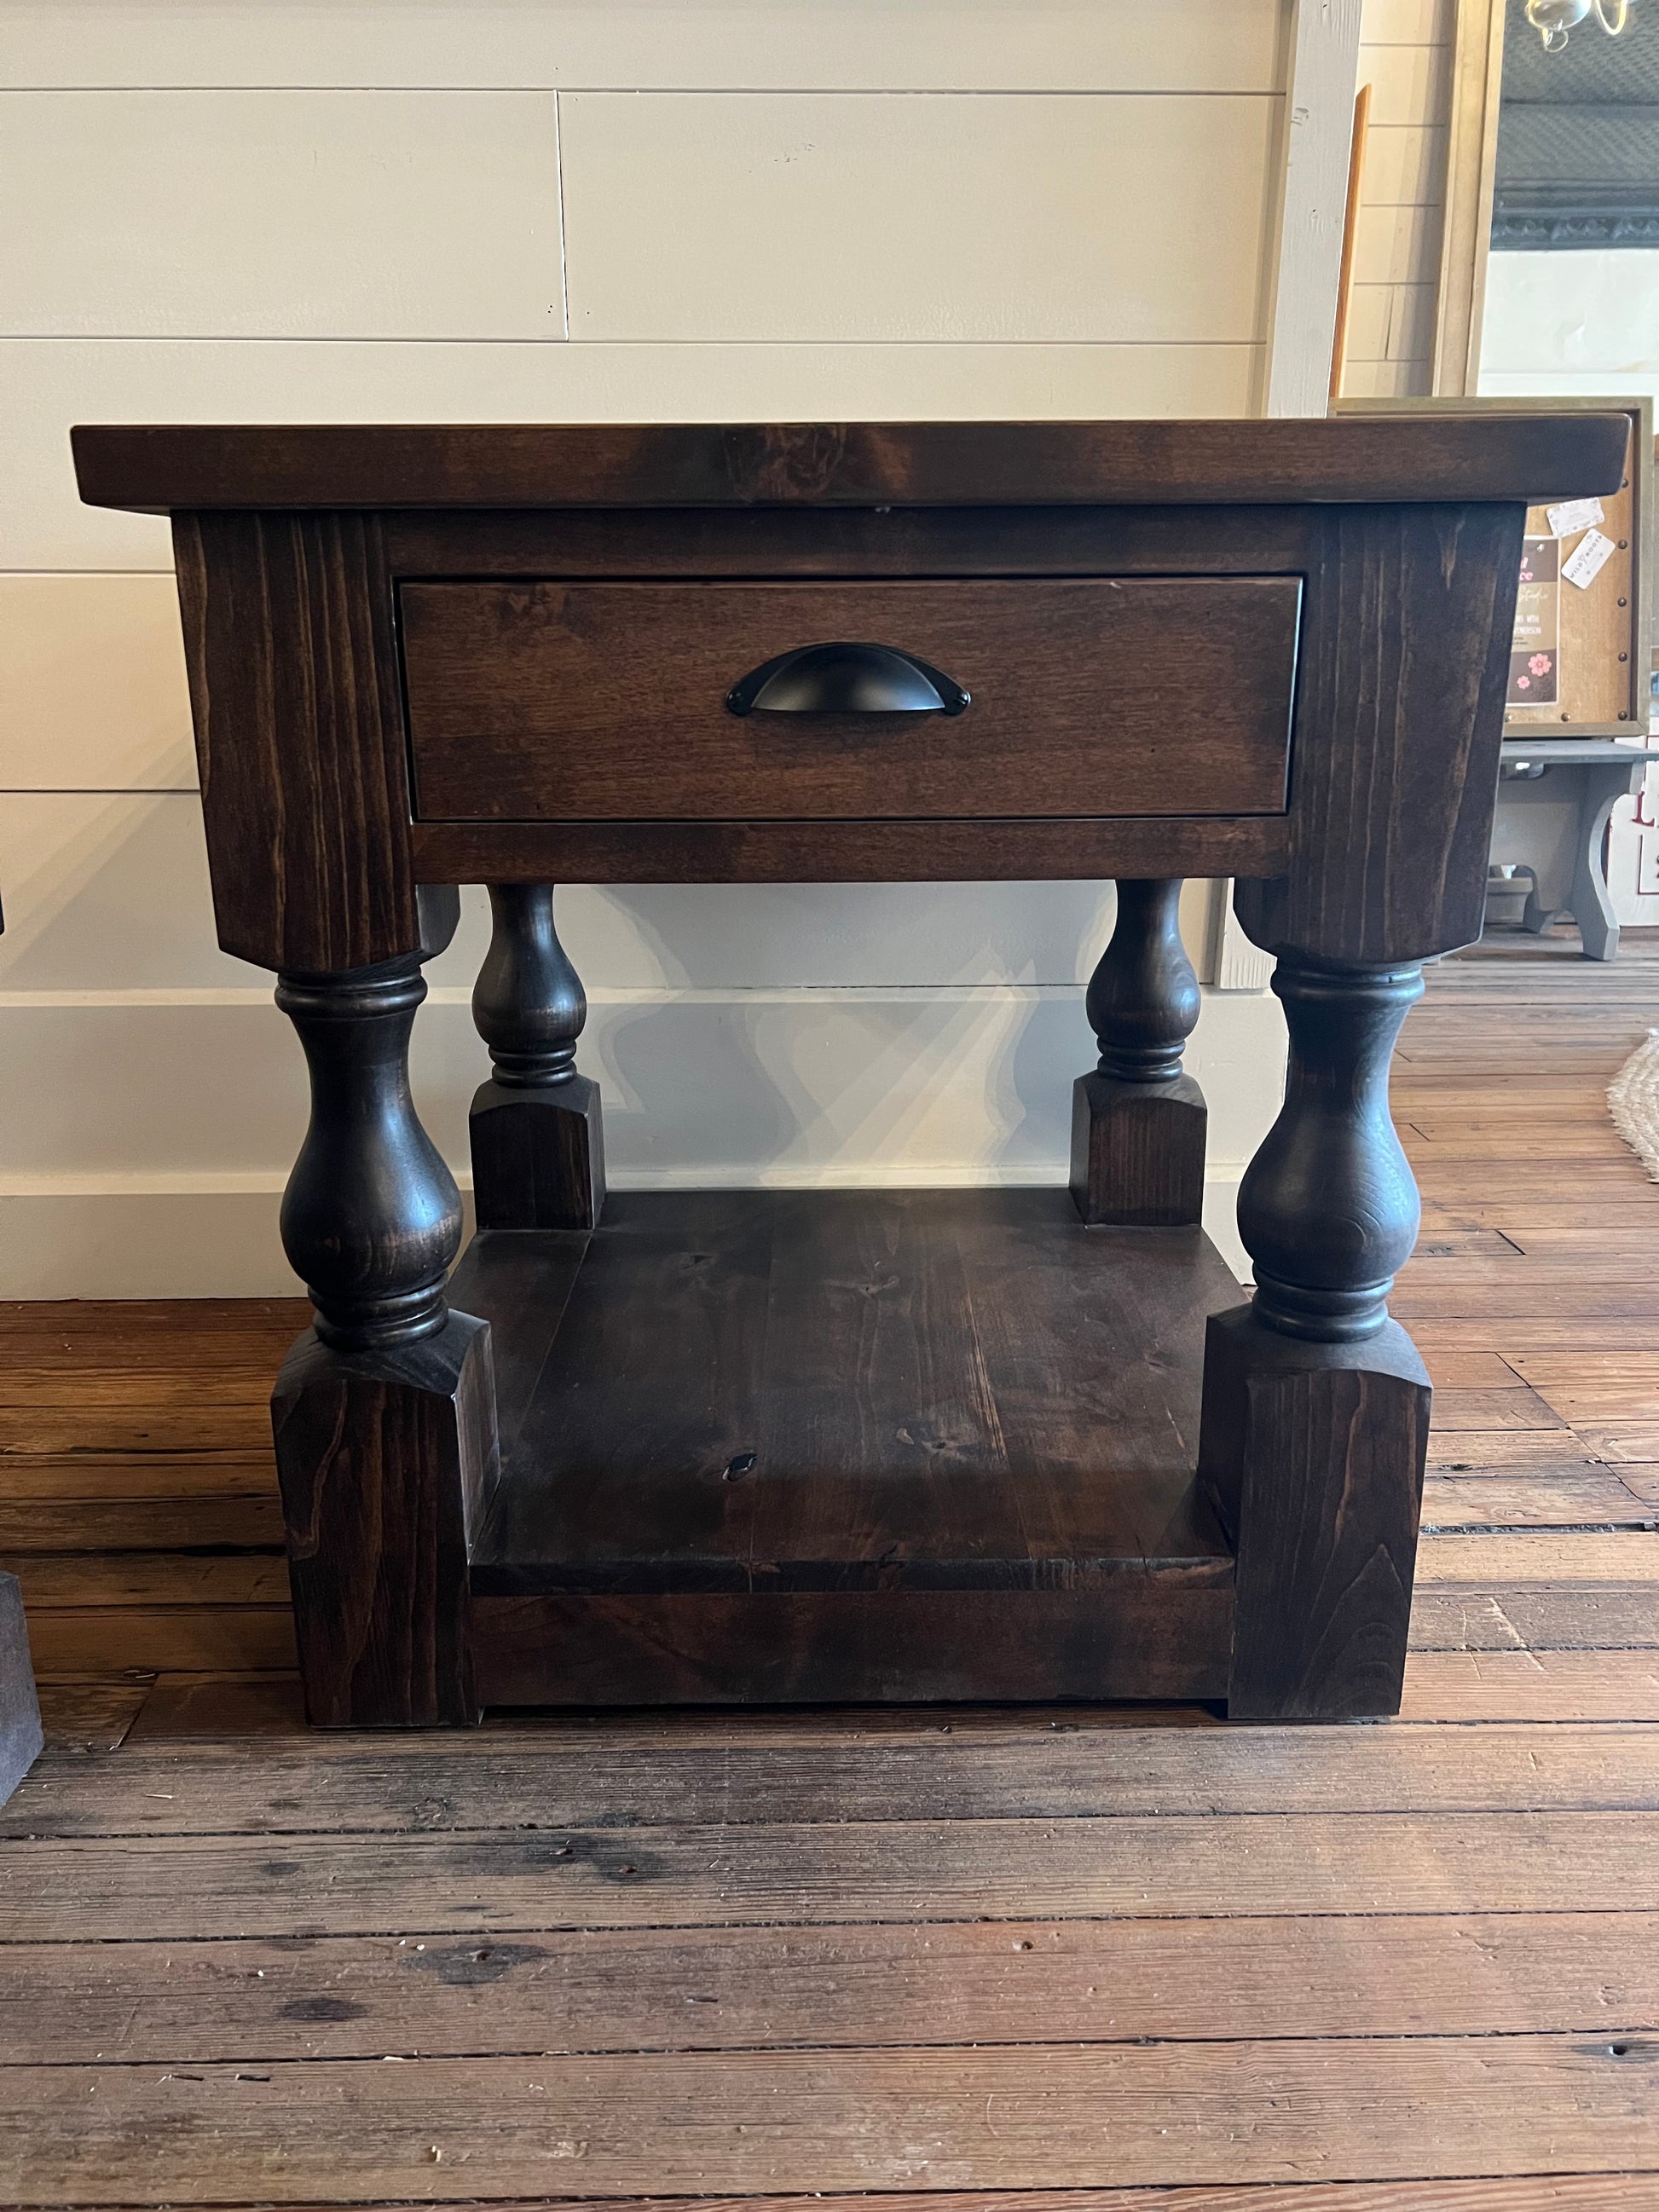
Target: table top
[(1582, 752), (1350, 458)]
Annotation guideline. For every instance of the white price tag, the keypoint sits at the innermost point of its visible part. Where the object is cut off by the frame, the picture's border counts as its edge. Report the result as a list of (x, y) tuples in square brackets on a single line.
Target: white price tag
[(1574, 514), (1588, 558)]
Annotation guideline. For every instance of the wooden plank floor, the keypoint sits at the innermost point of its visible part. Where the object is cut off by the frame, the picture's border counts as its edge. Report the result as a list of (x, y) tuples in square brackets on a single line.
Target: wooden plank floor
[(1093, 1960)]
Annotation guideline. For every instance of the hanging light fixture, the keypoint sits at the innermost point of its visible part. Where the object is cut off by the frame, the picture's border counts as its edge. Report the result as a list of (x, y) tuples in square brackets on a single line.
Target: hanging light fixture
[(1554, 19)]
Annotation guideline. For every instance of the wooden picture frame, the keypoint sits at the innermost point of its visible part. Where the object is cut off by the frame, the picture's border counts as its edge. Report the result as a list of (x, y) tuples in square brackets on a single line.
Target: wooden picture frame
[(1606, 637)]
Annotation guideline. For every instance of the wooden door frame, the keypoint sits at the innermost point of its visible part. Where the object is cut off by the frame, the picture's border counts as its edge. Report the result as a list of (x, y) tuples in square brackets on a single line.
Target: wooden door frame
[(1319, 63), (1471, 168)]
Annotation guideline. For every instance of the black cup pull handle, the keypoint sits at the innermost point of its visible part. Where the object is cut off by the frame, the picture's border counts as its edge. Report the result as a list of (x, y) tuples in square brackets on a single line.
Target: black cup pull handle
[(846, 679)]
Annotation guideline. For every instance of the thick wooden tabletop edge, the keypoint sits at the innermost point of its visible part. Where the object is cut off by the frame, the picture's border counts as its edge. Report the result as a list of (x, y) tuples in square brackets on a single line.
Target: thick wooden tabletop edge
[(1387, 459)]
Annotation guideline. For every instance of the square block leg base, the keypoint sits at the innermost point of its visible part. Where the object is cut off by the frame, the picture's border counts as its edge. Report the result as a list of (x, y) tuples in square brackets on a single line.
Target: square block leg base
[(386, 1458), (1138, 1151), (539, 1155), (1312, 1455)]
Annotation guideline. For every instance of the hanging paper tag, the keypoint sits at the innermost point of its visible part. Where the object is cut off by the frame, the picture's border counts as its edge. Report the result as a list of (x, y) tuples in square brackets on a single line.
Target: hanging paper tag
[(1585, 563), (1574, 514)]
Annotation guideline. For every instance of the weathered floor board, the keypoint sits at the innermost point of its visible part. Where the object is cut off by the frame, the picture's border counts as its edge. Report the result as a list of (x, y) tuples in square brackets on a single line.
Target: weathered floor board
[(732, 1989), (1028, 2117), (1507, 1685), (1532, 1686), (1580, 2192), (820, 1873), (1041, 1770), (1055, 1961)]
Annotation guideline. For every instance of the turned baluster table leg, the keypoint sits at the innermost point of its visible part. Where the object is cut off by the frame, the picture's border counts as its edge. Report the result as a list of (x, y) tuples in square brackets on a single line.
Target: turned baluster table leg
[(1137, 1122), (1316, 1403), (537, 1139), (384, 1412)]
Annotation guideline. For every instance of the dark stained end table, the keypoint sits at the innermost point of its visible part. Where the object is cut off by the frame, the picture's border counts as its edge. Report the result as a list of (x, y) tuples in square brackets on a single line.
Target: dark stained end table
[(754, 1446)]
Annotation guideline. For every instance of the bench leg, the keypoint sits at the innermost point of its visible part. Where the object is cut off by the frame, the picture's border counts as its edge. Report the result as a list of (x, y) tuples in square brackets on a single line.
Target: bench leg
[(1588, 898)]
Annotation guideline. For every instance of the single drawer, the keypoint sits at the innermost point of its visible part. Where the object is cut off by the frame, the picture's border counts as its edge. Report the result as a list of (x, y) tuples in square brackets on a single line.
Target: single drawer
[(608, 701)]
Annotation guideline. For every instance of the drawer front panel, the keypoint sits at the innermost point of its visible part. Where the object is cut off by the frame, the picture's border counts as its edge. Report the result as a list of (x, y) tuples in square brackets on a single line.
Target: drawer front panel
[(1092, 696)]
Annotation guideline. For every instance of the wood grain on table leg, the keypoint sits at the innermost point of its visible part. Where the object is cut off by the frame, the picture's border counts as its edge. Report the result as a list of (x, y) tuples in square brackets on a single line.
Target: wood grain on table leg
[(1315, 1404), (384, 1413)]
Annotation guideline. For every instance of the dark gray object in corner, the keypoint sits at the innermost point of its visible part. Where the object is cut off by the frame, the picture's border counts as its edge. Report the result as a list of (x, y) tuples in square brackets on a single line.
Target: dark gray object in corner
[(20, 1709)]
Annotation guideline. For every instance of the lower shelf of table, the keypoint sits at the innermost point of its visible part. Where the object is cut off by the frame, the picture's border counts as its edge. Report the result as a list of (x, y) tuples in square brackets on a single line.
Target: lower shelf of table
[(782, 1446)]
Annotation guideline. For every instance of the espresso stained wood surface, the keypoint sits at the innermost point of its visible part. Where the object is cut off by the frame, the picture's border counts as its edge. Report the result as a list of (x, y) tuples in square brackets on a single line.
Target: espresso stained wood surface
[(1100, 695), (1407, 528), (991, 848), (1118, 1960), (846, 1389), (1399, 722), (1350, 457), (956, 1430), (287, 625)]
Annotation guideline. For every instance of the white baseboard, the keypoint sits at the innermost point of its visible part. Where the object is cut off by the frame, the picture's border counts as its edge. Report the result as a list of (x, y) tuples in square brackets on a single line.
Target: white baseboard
[(127, 1242), (145, 1139)]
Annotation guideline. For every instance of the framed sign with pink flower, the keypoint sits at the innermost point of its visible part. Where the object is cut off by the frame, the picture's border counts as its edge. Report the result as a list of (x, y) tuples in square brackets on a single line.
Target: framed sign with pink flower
[(1535, 648)]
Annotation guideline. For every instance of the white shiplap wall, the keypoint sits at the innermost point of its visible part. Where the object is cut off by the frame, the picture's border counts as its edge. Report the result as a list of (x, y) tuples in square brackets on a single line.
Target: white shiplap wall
[(1405, 57), (513, 210)]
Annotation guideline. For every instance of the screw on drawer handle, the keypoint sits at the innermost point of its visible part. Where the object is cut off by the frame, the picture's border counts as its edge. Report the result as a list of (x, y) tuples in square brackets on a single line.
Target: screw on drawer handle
[(846, 679)]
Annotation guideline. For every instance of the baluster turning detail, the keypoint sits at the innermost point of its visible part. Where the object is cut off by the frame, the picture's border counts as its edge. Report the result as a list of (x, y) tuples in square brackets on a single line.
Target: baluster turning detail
[(1138, 1122), (538, 1140)]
